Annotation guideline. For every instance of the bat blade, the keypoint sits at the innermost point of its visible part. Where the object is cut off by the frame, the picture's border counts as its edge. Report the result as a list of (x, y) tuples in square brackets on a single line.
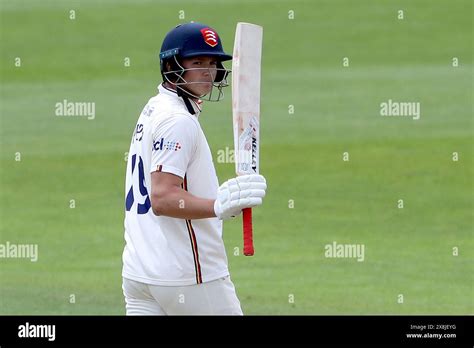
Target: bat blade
[(246, 71)]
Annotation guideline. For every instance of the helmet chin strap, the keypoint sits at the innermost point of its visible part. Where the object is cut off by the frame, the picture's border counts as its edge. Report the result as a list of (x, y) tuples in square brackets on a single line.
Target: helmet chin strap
[(181, 92), (185, 95)]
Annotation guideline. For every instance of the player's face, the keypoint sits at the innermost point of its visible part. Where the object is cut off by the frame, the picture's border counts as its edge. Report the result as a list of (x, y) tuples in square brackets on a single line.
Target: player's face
[(202, 77)]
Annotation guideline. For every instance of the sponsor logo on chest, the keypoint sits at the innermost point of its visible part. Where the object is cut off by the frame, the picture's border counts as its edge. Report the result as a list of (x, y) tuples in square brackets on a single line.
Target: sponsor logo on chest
[(163, 145)]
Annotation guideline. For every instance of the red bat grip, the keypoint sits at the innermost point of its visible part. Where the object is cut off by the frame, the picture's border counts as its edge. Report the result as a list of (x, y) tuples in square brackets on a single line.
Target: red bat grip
[(248, 232)]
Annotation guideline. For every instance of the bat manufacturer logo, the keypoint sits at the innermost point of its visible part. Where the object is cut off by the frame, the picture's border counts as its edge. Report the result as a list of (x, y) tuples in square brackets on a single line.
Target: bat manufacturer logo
[(247, 160), (210, 37)]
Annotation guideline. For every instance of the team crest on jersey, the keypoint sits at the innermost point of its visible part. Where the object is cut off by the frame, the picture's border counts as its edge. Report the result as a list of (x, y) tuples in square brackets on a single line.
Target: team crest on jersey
[(162, 145), (210, 37)]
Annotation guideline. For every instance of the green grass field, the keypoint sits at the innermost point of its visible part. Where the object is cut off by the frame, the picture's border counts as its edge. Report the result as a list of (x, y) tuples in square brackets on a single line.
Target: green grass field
[(408, 251)]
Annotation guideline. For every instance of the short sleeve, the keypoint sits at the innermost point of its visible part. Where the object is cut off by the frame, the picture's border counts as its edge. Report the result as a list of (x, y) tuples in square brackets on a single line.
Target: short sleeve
[(174, 144)]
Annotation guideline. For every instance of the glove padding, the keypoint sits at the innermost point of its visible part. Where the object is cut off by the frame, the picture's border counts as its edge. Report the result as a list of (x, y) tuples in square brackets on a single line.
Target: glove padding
[(245, 191)]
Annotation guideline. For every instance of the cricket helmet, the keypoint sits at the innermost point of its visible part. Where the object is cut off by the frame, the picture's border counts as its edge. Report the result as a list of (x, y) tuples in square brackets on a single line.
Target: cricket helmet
[(193, 39), (190, 40)]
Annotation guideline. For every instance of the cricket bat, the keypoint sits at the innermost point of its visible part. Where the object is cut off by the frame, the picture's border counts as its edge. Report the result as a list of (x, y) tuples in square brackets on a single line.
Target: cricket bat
[(246, 66)]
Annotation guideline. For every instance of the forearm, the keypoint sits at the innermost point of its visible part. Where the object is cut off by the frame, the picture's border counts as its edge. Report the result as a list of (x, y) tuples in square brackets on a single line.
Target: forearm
[(179, 203)]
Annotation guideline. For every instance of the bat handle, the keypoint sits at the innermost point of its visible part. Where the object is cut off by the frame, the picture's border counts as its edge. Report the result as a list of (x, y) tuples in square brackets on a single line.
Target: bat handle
[(248, 232)]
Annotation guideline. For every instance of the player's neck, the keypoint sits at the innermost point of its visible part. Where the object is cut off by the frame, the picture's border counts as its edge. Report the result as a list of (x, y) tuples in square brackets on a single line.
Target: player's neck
[(196, 108)]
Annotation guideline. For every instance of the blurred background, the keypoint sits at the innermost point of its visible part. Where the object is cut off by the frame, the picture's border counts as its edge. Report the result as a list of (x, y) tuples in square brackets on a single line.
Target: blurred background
[(337, 171)]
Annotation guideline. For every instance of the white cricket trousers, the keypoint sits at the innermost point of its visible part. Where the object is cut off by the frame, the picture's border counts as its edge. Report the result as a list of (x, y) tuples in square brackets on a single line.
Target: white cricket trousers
[(217, 297)]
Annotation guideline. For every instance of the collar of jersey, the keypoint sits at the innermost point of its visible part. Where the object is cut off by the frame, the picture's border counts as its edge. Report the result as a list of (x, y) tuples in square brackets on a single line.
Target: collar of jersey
[(196, 109)]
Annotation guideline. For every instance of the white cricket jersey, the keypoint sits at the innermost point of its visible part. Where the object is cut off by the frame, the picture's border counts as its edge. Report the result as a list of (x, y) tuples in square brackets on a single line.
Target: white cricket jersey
[(163, 250)]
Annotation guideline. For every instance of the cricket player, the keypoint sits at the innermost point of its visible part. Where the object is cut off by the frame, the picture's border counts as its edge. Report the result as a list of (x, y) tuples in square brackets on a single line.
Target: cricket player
[(174, 261)]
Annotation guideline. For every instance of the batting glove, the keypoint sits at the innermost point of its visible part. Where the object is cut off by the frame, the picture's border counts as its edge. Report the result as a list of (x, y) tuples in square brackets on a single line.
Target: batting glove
[(245, 191)]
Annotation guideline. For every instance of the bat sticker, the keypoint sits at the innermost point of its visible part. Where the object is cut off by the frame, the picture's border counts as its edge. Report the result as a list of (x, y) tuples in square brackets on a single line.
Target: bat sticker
[(248, 148)]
